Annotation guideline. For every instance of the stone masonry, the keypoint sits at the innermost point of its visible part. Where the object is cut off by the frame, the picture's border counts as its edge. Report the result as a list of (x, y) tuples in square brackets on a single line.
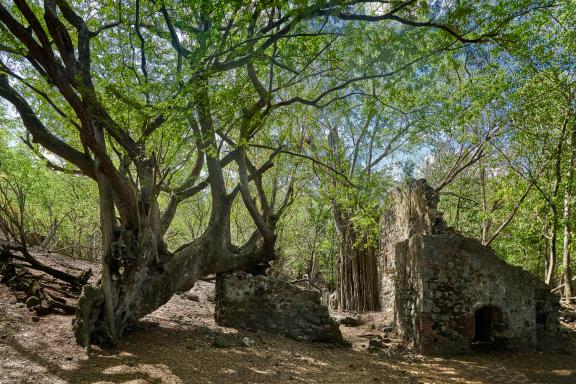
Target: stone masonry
[(273, 305), (449, 293)]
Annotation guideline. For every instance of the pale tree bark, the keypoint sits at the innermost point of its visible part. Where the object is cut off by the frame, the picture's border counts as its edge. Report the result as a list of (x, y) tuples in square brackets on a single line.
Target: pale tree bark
[(552, 251), (566, 267), (552, 201), (535, 179), (568, 201), (486, 221)]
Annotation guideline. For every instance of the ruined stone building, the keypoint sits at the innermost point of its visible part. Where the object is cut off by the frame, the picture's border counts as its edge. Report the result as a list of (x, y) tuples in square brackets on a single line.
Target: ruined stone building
[(447, 292), (261, 303)]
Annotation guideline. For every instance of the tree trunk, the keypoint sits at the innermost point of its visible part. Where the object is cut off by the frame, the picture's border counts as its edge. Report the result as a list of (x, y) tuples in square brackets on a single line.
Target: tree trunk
[(357, 274), (545, 253), (486, 221), (551, 267), (139, 274), (566, 267)]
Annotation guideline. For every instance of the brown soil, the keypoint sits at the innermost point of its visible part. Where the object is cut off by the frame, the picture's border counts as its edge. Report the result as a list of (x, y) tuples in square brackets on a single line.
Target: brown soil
[(174, 345)]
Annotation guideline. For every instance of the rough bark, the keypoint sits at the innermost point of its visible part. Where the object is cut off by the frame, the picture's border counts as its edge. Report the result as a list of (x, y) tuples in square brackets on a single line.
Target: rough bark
[(486, 221), (566, 268), (357, 271), (139, 274), (551, 263)]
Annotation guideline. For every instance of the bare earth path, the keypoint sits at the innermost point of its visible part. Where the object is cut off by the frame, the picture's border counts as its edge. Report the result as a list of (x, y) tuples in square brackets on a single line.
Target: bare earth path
[(174, 345)]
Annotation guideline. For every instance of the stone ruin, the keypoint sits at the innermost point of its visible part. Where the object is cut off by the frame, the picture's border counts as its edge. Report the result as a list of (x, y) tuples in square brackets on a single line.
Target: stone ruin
[(261, 303), (448, 293)]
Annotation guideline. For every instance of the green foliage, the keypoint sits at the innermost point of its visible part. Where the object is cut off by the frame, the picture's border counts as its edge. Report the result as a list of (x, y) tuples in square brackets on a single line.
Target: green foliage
[(354, 107), (60, 211)]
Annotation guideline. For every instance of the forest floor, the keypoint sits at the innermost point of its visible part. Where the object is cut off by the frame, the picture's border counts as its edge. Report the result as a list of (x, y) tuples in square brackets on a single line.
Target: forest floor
[(175, 345)]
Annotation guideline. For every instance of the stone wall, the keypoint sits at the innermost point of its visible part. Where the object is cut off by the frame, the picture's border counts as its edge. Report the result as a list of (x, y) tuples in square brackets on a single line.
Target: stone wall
[(447, 278), (444, 285), (261, 303), (410, 211)]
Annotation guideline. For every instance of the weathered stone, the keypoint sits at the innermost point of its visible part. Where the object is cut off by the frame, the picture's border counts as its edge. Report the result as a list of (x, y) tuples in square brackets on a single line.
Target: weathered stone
[(247, 342), (349, 321), (223, 341), (387, 329), (204, 330), (409, 211), (448, 292), (184, 319), (32, 301), (262, 303), (192, 297), (568, 317), (375, 344)]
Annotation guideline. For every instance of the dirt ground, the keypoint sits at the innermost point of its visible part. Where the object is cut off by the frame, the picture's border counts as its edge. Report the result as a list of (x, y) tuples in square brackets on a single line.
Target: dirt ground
[(175, 345)]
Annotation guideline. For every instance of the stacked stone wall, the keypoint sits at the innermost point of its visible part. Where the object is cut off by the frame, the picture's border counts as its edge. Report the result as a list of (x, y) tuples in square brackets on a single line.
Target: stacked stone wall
[(410, 211), (437, 280), (261, 303)]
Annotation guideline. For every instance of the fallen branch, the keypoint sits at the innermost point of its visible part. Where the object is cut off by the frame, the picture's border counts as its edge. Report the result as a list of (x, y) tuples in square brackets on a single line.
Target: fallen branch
[(7, 252), (209, 279), (307, 281), (561, 285)]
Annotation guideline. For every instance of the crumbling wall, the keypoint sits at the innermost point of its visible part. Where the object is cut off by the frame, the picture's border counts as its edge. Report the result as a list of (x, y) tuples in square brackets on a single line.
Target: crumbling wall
[(439, 279), (409, 211), (458, 276), (273, 305)]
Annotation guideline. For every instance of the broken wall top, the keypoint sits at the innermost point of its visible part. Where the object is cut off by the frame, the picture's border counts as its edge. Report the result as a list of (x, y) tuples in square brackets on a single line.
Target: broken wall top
[(410, 210)]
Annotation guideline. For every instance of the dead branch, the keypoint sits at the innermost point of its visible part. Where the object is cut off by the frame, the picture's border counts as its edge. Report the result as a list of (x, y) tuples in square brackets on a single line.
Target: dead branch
[(7, 253)]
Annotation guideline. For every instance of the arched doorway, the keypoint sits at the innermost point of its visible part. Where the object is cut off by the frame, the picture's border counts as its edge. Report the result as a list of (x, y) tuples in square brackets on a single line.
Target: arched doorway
[(488, 324)]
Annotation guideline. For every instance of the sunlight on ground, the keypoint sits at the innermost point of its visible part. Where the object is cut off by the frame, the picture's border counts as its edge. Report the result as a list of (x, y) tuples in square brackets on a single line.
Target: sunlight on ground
[(565, 372), (172, 353), (156, 372)]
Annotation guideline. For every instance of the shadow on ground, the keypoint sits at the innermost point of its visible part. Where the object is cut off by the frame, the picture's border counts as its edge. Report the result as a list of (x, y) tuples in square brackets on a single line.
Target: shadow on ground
[(174, 345), (164, 354)]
